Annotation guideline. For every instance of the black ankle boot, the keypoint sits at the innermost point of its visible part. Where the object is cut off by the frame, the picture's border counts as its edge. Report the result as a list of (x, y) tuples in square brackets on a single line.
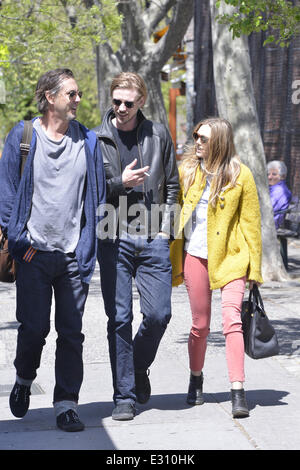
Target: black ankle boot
[(195, 396), (239, 404)]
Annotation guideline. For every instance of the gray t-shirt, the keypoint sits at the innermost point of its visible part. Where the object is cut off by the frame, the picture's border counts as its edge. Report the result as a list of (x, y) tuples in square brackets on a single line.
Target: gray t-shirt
[(59, 172)]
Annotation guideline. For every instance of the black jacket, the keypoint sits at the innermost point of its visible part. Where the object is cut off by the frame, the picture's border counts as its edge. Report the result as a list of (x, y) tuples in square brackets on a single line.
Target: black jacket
[(155, 148)]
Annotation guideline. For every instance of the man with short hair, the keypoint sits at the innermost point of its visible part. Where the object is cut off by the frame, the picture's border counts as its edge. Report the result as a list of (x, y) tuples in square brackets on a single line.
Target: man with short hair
[(141, 181), (49, 216)]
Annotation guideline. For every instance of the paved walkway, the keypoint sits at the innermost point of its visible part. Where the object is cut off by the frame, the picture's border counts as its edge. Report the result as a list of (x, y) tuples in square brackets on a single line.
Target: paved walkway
[(166, 422)]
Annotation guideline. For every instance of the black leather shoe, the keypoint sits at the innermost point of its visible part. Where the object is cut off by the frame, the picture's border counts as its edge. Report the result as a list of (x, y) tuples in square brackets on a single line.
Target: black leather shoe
[(69, 421), (142, 386), (195, 396), (123, 412), (19, 400), (239, 404)]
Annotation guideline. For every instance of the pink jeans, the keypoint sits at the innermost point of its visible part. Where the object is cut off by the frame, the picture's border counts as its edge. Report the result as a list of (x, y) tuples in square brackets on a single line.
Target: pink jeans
[(197, 284)]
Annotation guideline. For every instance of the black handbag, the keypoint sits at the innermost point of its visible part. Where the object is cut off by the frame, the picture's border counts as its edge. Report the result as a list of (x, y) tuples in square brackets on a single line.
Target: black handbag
[(259, 335)]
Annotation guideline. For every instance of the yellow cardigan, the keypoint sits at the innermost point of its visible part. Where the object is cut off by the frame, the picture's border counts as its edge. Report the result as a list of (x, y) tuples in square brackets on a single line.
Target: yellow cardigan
[(233, 232)]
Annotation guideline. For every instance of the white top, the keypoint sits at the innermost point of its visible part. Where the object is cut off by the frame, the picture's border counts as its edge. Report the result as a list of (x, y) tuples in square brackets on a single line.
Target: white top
[(195, 231)]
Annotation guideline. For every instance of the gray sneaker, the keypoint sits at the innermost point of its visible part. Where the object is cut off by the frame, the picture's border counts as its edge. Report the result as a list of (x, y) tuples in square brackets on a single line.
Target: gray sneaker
[(123, 412)]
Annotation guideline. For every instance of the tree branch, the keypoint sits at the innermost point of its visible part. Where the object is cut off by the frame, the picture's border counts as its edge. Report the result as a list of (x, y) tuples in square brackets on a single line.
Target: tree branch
[(108, 65), (156, 12), (134, 30), (88, 3), (182, 15), (70, 12)]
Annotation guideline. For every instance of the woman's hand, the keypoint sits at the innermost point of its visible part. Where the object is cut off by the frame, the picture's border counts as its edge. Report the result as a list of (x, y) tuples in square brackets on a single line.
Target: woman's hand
[(251, 284)]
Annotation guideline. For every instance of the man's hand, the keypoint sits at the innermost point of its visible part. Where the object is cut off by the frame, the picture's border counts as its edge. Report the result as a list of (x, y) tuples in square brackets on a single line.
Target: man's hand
[(131, 178)]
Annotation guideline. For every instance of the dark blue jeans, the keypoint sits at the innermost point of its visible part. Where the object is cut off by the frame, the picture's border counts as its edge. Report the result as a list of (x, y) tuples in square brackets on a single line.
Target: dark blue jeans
[(47, 272), (148, 262)]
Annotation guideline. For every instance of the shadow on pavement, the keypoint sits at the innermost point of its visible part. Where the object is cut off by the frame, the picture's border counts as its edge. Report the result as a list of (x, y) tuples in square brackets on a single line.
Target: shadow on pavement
[(288, 332), (93, 413), (259, 397)]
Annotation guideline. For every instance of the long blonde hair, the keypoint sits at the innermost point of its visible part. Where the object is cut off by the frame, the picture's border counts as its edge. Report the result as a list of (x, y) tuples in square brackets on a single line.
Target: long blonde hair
[(222, 163)]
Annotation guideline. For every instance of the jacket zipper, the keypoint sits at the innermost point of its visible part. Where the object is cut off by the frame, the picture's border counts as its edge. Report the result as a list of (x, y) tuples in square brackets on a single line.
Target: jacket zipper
[(141, 159)]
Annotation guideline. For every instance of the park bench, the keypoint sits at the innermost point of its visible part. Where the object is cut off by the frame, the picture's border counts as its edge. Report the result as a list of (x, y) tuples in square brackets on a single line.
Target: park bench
[(290, 227)]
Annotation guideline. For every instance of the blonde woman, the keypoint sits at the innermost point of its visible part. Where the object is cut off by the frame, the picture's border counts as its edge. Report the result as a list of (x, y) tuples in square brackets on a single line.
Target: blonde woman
[(218, 245)]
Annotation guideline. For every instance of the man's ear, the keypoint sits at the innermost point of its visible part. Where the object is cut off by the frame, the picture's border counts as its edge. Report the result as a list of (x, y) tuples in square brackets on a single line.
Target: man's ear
[(142, 101), (50, 98)]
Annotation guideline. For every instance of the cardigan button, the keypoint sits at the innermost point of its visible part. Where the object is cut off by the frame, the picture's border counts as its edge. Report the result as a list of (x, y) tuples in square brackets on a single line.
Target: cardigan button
[(222, 206), (222, 198), (218, 233)]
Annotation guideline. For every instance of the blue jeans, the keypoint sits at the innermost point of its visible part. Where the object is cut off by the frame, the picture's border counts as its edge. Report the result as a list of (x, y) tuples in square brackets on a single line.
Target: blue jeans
[(148, 262), (49, 271)]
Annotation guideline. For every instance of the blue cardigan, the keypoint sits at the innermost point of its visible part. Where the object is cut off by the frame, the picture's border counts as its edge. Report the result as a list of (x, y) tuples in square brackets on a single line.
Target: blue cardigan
[(16, 196)]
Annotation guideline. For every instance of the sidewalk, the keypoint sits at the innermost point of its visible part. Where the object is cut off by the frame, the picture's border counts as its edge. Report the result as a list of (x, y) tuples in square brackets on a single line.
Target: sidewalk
[(166, 422)]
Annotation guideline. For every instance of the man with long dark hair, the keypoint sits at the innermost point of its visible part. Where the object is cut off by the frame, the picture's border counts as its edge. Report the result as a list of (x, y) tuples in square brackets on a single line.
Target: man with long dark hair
[(49, 216)]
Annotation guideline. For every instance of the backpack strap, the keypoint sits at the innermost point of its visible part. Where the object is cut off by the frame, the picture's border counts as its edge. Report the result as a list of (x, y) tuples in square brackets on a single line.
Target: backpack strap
[(25, 143)]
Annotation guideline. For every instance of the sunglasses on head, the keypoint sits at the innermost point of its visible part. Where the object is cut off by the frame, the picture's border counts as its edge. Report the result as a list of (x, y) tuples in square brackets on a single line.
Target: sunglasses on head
[(203, 138), (74, 93), (128, 104)]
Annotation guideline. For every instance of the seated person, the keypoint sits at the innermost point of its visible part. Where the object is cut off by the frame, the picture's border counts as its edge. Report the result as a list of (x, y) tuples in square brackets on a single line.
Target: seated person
[(279, 192)]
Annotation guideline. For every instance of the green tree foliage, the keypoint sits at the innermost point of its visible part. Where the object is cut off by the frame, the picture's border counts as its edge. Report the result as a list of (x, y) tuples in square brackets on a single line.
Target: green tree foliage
[(279, 18), (39, 35)]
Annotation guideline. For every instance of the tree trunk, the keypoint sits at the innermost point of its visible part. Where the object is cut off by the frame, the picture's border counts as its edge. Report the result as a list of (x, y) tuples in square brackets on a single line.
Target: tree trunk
[(190, 93), (2, 88), (138, 52), (236, 102), (107, 65), (154, 106)]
